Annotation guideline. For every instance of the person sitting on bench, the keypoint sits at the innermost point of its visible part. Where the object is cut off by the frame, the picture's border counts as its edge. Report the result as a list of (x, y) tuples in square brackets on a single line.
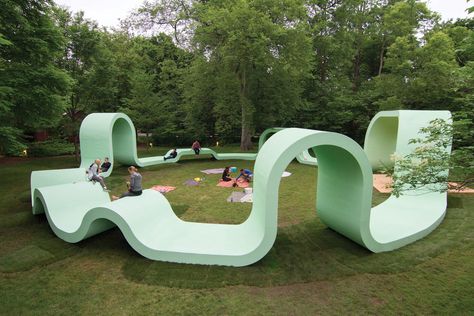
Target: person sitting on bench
[(134, 186), (196, 147), (106, 165), (172, 155), (93, 174), (246, 174)]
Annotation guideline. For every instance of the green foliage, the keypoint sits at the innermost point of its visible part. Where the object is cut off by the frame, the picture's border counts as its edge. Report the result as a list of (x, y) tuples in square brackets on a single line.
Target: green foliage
[(409, 81), (155, 101), (10, 141), (31, 85), (258, 53), (48, 148), (230, 69), (426, 168)]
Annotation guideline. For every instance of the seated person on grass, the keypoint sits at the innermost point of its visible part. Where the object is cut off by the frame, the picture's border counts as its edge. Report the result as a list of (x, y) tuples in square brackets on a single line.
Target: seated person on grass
[(106, 165), (226, 175), (246, 174), (134, 186), (172, 155), (93, 174)]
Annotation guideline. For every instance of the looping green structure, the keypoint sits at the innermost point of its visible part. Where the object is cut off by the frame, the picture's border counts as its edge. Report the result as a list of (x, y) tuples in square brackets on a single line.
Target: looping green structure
[(77, 209)]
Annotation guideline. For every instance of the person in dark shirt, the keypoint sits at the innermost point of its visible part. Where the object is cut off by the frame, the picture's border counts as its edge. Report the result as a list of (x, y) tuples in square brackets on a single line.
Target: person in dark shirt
[(226, 175), (106, 165), (172, 155), (196, 147)]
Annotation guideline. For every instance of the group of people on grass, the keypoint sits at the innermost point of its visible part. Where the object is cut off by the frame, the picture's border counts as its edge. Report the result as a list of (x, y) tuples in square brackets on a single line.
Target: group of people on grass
[(135, 184), (245, 174)]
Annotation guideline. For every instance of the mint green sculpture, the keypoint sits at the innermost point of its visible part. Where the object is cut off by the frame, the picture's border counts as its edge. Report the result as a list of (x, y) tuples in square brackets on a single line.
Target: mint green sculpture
[(77, 209), (113, 135), (303, 157)]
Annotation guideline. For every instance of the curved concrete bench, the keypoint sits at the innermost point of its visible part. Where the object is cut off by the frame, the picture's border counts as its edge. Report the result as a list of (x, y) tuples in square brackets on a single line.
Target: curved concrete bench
[(113, 135), (416, 213), (78, 210)]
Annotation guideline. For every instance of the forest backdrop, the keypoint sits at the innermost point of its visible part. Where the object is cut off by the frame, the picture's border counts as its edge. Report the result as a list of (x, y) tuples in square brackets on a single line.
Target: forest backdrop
[(225, 70)]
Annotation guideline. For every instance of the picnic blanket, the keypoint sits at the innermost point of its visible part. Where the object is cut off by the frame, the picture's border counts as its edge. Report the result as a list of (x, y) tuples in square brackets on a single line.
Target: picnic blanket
[(229, 184), (240, 197), (213, 171), (163, 188), (191, 182)]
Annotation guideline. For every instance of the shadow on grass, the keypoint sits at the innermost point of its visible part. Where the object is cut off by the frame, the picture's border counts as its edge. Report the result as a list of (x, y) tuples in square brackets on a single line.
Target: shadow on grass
[(303, 253)]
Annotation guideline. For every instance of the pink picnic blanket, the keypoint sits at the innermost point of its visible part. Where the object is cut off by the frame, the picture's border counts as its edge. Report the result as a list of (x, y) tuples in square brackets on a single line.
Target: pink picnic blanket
[(228, 184), (163, 188)]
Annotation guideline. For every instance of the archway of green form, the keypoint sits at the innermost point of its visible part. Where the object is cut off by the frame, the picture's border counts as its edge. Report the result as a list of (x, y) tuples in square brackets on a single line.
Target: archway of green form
[(78, 209), (303, 157)]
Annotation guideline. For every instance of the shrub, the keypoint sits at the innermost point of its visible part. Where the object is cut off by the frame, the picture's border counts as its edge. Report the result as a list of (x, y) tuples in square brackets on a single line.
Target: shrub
[(10, 141), (56, 147)]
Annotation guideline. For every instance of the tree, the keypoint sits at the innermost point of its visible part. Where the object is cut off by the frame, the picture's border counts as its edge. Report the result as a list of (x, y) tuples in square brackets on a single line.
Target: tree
[(249, 44), (89, 62), (156, 101), (142, 104), (408, 82), (165, 16), (31, 85), (401, 19)]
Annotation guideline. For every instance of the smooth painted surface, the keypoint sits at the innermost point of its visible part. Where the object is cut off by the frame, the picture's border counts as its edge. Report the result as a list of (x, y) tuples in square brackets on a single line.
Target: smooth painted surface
[(400, 221), (80, 209), (303, 157)]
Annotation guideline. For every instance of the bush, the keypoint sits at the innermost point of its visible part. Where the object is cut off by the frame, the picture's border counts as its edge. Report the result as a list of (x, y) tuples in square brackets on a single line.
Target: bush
[(10, 141), (48, 148)]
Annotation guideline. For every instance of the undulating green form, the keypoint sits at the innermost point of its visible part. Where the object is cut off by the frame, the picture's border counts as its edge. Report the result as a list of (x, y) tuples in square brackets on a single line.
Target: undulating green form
[(77, 209), (303, 157)]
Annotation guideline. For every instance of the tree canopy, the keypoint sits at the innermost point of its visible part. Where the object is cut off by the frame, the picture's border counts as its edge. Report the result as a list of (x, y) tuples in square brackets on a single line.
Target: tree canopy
[(227, 70)]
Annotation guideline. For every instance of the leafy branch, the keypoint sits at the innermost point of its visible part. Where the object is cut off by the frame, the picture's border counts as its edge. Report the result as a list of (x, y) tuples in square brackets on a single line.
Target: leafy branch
[(427, 167)]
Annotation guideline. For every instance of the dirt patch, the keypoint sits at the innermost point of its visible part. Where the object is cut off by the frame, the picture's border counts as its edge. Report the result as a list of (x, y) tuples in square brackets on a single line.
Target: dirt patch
[(14, 160), (298, 289), (383, 182)]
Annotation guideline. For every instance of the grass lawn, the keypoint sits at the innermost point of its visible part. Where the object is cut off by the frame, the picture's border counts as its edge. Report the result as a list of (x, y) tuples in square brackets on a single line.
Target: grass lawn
[(310, 269)]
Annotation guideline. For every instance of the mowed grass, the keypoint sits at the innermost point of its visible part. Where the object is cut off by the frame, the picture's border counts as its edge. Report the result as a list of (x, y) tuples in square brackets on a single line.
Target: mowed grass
[(309, 270)]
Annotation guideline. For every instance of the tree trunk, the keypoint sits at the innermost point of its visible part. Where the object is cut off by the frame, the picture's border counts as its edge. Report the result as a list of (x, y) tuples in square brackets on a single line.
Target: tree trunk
[(356, 78), (73, 113), (76, 147), (247, 113), (382, 51), (147, 140)]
